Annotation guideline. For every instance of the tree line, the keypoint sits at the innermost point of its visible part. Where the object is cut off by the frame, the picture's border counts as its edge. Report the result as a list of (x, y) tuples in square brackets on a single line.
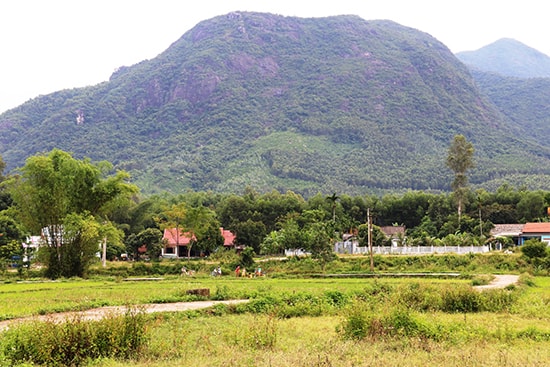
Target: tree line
[(77, 204)]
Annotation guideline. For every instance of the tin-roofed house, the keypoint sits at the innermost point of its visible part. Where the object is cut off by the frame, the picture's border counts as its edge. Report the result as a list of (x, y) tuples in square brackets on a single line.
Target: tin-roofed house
[(509, 231)]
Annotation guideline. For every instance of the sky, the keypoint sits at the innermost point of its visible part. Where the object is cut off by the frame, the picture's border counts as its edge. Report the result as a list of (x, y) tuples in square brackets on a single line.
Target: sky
[(49, 45)]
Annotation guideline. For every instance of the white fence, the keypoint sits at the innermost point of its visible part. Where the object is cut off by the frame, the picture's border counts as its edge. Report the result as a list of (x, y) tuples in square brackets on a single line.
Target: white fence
[(350, 248)]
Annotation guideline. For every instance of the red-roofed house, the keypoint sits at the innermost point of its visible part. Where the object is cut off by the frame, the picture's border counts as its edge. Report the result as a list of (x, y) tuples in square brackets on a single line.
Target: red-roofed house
[(540, 231), (228, 238), (176, 242)]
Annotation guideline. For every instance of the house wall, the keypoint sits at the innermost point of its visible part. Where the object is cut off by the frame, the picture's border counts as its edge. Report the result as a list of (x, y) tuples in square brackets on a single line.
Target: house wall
[(544, 237)]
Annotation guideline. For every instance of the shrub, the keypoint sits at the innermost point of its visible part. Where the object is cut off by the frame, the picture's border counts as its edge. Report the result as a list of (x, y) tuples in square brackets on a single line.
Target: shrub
[(264, 304), (482, 279), (73, 342), (461, 299), (354, 326), (534, 249), (418, 297), (464, 299), (397, 322), (336, 298), (221, 293)]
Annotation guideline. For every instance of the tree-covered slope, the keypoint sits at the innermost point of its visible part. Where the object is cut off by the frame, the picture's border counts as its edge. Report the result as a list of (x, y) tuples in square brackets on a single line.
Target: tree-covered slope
[(508, 57), (325, 104), (526, 102)]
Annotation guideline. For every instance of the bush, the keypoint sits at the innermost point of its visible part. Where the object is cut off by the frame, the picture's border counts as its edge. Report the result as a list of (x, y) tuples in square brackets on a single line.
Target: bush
[(461, 299), (534, 249), (74, 342), (397, 322), (355, 326)]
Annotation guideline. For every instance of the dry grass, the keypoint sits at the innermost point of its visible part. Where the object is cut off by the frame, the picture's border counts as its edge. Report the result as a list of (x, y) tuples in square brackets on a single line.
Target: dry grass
[(315, 342)]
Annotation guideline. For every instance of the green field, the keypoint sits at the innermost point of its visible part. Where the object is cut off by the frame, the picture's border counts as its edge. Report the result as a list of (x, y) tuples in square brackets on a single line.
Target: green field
[(304, 321)]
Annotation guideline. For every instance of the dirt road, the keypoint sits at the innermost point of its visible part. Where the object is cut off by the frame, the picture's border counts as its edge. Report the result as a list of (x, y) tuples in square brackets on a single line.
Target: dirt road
[(98, 313), (500, 281)]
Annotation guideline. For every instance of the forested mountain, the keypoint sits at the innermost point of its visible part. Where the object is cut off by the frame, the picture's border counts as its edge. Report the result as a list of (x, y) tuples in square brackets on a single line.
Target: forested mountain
[(335, 104), (526, 102), (508, 57)]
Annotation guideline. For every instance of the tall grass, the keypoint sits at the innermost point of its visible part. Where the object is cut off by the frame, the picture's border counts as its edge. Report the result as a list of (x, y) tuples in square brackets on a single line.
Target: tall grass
[(74, 342)]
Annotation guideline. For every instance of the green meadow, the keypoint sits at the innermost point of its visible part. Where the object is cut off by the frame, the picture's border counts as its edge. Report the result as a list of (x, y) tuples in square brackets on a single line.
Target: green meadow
[(289, 320)]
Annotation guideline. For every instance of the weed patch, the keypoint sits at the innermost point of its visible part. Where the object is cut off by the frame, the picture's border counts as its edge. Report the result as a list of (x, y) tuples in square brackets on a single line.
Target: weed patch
[(73, 342)]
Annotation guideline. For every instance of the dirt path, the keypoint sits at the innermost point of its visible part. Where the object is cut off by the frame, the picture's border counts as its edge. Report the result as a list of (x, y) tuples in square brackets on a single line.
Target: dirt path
[(98, 313), (500, 281)]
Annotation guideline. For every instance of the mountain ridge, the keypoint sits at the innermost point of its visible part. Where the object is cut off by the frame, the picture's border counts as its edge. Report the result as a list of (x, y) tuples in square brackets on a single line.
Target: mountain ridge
[(303, 104), (508, 57)]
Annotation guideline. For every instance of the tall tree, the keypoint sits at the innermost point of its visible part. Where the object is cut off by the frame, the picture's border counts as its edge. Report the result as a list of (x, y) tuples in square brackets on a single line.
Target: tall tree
[(173, 217), (68, 200), (333, 199), (460, 158), (5, 198), (197, 222)]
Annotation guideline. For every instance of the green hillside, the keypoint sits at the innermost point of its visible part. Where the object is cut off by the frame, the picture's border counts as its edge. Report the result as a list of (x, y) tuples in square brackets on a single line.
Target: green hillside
[(335, 104), (526, 102)]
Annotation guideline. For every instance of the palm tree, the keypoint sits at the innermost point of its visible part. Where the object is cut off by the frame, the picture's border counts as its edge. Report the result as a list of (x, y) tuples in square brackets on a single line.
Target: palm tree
[(333, 198)]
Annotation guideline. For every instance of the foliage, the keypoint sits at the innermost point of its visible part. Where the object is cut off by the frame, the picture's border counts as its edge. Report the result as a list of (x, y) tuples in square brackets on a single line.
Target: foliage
[(11, 237), (66, 200), (247, 257), (460, 160), (151, 238), (533, 249), (75, 342)]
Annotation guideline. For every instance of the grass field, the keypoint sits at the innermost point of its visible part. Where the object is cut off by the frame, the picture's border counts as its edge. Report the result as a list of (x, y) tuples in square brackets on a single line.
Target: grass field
[(42, 297), (307, 322)]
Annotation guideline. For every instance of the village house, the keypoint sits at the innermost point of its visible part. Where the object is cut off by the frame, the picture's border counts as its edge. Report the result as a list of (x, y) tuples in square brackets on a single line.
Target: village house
[(176, 242), (539, 231), (512, 231), (395, 234)]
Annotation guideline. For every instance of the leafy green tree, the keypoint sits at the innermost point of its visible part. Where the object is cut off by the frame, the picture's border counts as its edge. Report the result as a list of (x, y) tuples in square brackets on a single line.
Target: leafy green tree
[(210, 238), (273, 244), (319, 243), (531, 206), (196, 222), (114, 250), (11, 237), (247, 258), (151, 238), (378, 237), (5, 198), (332, 199), (459, 160), (68, 200), (250, 233)]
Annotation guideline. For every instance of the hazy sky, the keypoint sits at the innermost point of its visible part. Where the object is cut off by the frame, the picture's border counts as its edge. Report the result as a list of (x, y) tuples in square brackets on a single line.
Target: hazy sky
[(48, 45)]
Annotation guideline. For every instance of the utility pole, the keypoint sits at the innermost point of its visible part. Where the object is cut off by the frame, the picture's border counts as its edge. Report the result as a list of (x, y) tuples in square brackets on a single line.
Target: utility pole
[(480, 223), (104, 252), (369, 237)]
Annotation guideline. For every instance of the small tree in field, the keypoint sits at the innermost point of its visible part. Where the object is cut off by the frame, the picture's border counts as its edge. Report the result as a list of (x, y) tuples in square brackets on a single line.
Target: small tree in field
[(68, 200)]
